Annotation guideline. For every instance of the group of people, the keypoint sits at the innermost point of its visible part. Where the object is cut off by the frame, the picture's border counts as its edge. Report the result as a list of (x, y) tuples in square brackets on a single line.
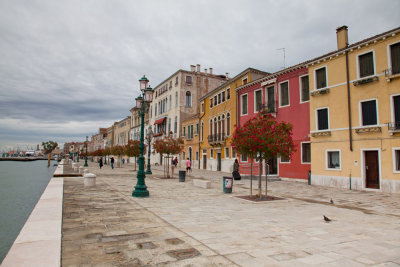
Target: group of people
[(174, 163), (111, 162)]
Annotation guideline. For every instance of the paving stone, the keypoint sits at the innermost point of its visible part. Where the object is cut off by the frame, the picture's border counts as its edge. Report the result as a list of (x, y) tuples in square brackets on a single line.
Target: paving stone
[(181, 254)]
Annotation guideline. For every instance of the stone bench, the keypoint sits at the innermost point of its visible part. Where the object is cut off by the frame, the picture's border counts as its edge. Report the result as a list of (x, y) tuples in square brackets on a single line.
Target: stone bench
[(202, 183)]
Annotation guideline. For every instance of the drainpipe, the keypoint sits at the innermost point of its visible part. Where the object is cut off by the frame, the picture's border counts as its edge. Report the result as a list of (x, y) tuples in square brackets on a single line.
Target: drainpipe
[(348, 100)]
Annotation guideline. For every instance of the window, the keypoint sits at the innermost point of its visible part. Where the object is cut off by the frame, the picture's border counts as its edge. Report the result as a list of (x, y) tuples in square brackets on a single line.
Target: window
[(197, 128), (184, 131), (188, 99), (228, 93), (151, 112), (211, 102), (395, 58), (202, 107), (396, 159), (223, 96), (223, 125), (320, 78), (191, 131), (170, 85), (176, 124), (369, 113), (284, 94), (257, 100), (219, 98), (305, 153), (271, 98), (304, 89), (183, 155), (155, 110), (285, 159), (395, 111), (228, 124), (170, 101), (197, 155), (211, 153), (333, 160), (215, 100), (188, 80), (202, 131), (169, 125), (176, 99), (227, 152), (322, 119), (244, 104), (211, 124), (366, 65), (243, 157), (233, 152), (244, 81)]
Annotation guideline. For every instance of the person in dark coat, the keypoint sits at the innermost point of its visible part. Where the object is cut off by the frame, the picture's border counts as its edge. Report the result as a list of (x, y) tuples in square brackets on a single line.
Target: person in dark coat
[(112, 163), (235, 173), (101, 162)]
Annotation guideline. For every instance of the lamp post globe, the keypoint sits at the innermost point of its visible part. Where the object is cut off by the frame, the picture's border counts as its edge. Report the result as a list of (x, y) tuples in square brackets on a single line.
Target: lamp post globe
[(142, 103)]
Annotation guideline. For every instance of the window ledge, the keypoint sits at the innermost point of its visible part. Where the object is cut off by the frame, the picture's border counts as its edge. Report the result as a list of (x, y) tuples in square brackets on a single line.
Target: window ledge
[(392, 77), (321, 91), (369, 129), (321, 133), (366, 80)]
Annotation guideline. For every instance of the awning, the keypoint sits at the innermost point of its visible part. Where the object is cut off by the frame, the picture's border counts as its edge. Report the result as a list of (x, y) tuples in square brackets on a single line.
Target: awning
[(159, 121)]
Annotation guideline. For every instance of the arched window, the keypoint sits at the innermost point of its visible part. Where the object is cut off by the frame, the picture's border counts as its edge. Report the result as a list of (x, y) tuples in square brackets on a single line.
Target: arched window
[(228, 124), (211, 127), (155, 110), (169, 125), (188, 99), (223, 125), (170, 101), (202, 131), (219, 125), (215, 126), (176, 99), (176, 124)]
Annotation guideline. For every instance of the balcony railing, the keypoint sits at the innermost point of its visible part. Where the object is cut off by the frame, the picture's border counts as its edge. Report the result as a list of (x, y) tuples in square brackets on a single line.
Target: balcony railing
[(268, 108), (394, 127), (215, 139), (391, 74)]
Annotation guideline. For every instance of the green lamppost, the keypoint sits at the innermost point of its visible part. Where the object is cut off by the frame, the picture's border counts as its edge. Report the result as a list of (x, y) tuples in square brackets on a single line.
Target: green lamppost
[(142, 103), (149, 134), (86, 165), (77, 159)]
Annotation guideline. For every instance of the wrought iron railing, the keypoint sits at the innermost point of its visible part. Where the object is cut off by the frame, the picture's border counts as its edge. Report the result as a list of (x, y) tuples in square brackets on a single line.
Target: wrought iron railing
[(394, 126), (216, 138)]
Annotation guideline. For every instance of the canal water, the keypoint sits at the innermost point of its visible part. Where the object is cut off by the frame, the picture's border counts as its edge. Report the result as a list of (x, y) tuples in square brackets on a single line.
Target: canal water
[(21, 185)]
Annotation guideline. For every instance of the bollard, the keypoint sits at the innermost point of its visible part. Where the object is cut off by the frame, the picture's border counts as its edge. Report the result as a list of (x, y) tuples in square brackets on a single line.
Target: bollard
[(85, 171), (89, 180)]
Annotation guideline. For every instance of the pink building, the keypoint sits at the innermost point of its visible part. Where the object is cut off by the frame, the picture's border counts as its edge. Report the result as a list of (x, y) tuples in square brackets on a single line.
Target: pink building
[(285, 95)]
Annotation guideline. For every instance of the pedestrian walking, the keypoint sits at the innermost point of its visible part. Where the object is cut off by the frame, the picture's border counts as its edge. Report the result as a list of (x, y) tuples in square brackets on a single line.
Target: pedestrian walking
[(172, 166), (188, 166), (101, 162), (112, 163)]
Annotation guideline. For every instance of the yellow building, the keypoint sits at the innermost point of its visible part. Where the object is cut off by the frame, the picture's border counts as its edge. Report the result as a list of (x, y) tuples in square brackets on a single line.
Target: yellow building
[(122, 131), (355, 114), (217, 119), (190, 135)]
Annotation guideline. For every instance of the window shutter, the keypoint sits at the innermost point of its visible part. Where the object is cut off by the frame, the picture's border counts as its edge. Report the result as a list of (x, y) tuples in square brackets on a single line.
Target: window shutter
[(284, 94), (305, 95), (396, 103), (322, 119), (366, 63), (369, 113), (271, 98), (395, 58), (321, 78)]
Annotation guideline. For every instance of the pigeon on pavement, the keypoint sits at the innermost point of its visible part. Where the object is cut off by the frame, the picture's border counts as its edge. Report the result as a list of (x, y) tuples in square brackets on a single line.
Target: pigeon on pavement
[(327, 219)]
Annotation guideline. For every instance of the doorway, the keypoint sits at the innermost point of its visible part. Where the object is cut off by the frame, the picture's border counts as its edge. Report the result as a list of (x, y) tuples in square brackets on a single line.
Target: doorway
[(205, 161), (273, 166), (219, 157), (371, 168)]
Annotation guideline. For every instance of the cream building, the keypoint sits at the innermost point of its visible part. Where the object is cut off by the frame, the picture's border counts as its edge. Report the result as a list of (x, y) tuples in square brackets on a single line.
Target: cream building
[(122, 131)]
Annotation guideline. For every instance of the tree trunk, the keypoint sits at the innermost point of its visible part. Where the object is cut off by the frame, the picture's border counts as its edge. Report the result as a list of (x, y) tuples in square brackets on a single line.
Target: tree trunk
[(135, 163), (251, 178), (48, 159), (168, 166), (266, 177), (259, 177)]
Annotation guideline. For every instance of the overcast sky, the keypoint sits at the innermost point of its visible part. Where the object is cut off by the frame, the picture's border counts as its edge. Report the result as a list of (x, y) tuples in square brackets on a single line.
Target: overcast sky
[(69, 67)]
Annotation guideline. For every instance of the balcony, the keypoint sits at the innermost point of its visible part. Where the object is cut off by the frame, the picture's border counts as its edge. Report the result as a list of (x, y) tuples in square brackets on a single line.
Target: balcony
[(368, 129), (390, 74), (321, 133), (269, 108), (216, 139), (365, 80), (393, 127)]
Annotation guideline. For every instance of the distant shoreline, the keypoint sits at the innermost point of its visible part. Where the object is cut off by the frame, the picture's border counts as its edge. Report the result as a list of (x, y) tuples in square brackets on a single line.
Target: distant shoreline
[(21, 159)]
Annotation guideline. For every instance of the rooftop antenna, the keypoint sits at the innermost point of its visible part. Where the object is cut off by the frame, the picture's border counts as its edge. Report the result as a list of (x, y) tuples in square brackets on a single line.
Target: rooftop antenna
[(284, 57)]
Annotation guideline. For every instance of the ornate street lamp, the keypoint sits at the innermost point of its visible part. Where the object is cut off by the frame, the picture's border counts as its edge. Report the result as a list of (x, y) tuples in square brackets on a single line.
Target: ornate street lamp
[(149, 134), (142, 103), (86, 165)]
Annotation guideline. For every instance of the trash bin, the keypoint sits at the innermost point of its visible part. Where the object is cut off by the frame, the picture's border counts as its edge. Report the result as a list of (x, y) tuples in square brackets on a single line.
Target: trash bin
[(309, 177), (182, 175), (227, 184)]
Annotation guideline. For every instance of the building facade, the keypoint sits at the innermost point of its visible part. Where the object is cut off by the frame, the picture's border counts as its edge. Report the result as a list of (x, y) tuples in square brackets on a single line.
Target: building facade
[(190, 135), (218, 113), (355, 114), (284, 94), (122, 130), (176, 99)]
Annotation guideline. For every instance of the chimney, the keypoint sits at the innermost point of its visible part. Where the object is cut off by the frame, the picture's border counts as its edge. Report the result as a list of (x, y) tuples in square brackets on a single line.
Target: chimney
[(227, 75), (211, 70), (192, 68), (205, 70), (198, 67), (342, 37)]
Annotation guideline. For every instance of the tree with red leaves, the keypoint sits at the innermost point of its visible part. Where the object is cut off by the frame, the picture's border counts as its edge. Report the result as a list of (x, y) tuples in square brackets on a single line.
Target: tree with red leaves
[(262, 137), (168, 146), (132, 149)]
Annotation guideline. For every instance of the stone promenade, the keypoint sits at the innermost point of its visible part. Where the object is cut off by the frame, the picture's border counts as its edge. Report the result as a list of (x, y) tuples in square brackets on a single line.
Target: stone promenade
[(183, 225)]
